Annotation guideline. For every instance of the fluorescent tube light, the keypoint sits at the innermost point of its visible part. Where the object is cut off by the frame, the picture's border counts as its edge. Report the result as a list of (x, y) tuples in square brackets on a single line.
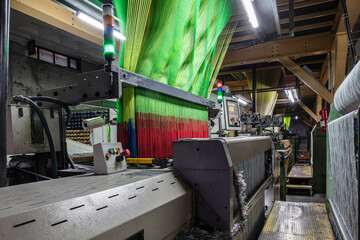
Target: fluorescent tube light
[(289, 95), (241, 101), (118, 35), (98, 24), (247, 4), (294, 92)]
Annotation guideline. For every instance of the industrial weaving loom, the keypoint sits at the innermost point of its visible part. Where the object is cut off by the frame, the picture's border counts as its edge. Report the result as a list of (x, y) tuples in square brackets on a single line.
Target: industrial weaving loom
[(218, 183), (178, 43)]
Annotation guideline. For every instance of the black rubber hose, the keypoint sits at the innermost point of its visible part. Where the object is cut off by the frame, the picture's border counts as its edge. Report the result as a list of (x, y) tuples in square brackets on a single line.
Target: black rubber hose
[(68, 117), (57, 102), (26, 100)]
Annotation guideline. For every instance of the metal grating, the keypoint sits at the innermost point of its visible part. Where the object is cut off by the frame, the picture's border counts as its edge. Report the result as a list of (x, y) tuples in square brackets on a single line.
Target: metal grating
[(291, 220), (255, 220), (254, 170)]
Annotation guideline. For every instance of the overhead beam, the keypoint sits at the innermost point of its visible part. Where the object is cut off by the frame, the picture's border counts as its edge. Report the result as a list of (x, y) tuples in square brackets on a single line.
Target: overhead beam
[(318, 106), (338, 61), (306, 120), (310, 16), (311, 82), (324, 69), (303, 4), (309, 27), (323, 78), (308, 111), (353, 8), (241, 39), (286, 2), (270, 67), (236, 77), (59, 17), (309, 45), (236, 83)]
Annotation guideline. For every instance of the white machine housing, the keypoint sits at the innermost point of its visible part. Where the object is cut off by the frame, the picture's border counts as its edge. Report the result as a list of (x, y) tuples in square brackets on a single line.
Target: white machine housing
[(230, 109), (25, 127), (108, 158)]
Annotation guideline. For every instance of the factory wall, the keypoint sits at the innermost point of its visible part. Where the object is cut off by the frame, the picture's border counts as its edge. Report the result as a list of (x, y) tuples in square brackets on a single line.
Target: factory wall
[(297, 126), (28, 76)]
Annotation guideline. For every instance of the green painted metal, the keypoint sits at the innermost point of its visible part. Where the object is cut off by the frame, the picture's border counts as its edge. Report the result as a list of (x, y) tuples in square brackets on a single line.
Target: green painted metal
[(282, 179), (104, 103), (319, 160)]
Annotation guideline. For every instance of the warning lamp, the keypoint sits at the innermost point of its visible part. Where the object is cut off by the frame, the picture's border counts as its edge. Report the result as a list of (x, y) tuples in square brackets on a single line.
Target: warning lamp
[(219, 92), (109, 38)]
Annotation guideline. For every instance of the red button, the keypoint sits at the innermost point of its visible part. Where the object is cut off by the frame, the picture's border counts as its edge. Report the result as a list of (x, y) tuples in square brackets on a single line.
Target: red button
[(126, 153), (107, 156)]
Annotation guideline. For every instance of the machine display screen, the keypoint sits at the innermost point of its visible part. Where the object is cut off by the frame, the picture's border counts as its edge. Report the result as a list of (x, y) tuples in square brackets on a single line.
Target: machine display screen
[(233, 113)]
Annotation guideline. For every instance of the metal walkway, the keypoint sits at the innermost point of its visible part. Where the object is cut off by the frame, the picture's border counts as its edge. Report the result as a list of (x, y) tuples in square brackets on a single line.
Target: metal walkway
[(291, 220), (300, 177)]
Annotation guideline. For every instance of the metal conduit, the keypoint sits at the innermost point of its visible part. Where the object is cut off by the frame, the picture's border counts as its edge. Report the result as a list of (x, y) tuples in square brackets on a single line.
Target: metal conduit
[(4, 74)]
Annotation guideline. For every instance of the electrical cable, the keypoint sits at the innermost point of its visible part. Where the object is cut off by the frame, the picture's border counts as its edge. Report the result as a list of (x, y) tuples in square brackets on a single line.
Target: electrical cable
[(31, 173), (57, 102), (68, 118), (348, 31), (30, 162), (26, 100)]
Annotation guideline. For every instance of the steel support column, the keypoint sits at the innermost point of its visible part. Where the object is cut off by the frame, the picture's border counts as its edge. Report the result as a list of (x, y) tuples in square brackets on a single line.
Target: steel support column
[(4, 72), (254, 92)]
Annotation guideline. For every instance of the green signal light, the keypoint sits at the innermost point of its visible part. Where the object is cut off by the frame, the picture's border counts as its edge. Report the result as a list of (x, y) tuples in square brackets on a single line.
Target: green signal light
[(219, 97), (109, 48)]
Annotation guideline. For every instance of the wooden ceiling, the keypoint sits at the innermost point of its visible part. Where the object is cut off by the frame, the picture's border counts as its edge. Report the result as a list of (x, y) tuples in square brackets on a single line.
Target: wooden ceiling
[(315, 23)]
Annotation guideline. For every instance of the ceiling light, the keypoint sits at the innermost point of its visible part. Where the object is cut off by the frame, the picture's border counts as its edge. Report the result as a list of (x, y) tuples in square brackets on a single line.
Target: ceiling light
[(247, 4), (118, 35), (296, 117), (98, 24), (294, 92), (242, 101), (289, 95)]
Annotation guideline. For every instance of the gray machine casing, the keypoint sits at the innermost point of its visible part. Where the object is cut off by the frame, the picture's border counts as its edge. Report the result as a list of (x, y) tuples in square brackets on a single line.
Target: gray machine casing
[(208, 164), (134, 204)]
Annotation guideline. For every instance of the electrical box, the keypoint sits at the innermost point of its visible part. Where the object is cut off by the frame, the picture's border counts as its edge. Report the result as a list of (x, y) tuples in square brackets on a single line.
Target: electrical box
[(108, 158), (25, 133), (231, 114)]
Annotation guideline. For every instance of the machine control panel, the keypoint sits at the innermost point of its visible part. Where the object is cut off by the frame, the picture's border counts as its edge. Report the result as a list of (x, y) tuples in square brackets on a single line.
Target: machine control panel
[(109, 158)]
